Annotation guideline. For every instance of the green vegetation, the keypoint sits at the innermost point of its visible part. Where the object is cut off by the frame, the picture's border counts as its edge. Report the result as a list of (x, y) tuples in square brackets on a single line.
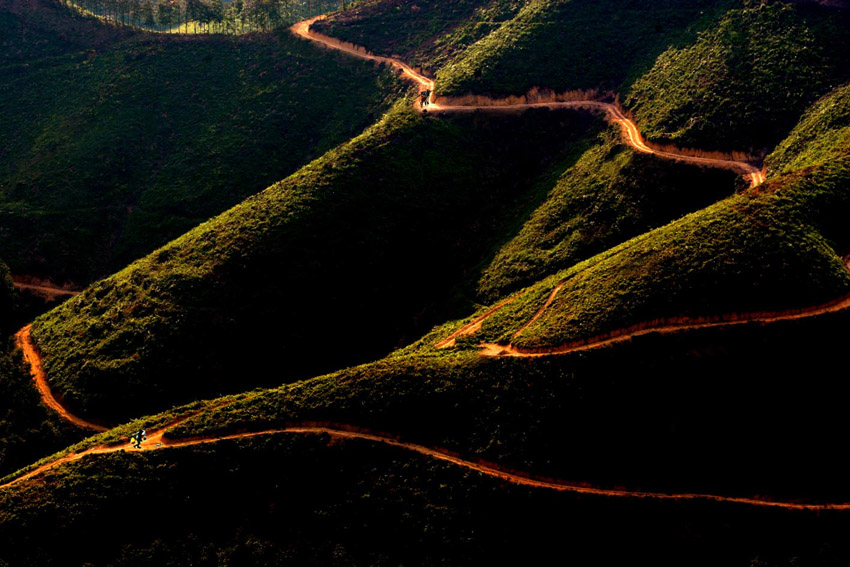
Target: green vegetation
[(550, 417), (358, 252), (204, 16), (756, 251), (28, 430), (823, 134), (610, 195), (225, 505), (400, 229), (743, 84), (426, 34), (108, 154), (595, 44), (38, 29)]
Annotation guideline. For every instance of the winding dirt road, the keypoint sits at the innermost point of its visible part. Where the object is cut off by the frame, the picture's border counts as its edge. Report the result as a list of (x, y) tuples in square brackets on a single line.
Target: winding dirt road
[(33, 358), (631, 133), (156, 442)]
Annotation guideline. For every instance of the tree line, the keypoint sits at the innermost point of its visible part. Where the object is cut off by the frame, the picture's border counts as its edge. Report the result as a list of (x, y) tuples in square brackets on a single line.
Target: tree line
[(205, 16)]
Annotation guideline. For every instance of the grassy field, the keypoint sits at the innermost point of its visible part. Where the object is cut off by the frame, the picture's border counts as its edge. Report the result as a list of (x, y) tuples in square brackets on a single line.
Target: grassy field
[(31, 30), (392, 237), (228, 506), (823, 134), (361, 251), (757, 251)]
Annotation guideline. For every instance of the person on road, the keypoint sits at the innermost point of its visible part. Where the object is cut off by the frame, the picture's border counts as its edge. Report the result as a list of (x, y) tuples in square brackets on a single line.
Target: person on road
[(423, 98), (138, 437)]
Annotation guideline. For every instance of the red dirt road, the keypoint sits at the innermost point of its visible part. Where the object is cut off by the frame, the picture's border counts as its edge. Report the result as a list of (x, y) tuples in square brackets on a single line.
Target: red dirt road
[(31, 355), (156, 442), (666, 326), (631, 133)]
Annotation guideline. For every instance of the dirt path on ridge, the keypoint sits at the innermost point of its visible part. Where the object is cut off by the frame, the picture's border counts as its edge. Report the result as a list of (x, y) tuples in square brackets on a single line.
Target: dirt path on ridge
[(631, 133)]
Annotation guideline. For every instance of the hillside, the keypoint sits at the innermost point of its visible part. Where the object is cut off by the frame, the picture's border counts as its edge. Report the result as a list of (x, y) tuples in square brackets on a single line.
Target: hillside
[(550, 418), (747, 78), (697, 74), (28, 431), (479, 332), (609, 196), (372, 243), (36, 29), (110, 153)]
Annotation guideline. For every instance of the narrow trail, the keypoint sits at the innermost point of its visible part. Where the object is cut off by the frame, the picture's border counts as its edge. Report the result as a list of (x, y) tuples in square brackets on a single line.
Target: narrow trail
[(663, 326), (156, 442), (52, 292), (33, 358), (631, 133)]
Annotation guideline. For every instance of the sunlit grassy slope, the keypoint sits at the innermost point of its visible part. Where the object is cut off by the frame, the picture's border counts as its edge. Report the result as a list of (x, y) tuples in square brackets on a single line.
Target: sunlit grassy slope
[(362, 249), (107, 154), (328, 268), (745, 81), (762, 250), (621, 39), (713, 74), (610, 195), (672, 414)]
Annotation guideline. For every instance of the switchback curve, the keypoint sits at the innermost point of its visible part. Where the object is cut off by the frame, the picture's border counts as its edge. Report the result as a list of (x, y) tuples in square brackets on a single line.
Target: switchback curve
[(23, 339), (631, 133)]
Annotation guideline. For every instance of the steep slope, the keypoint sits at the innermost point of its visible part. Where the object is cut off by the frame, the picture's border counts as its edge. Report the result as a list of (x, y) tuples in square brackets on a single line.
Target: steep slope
[(585, 418), (28, 430), (745, 81), (425, 34), (764, 250), (108, 154), (621, 39), (823, 134), (779, 246), (368, 244), (609, 196)]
